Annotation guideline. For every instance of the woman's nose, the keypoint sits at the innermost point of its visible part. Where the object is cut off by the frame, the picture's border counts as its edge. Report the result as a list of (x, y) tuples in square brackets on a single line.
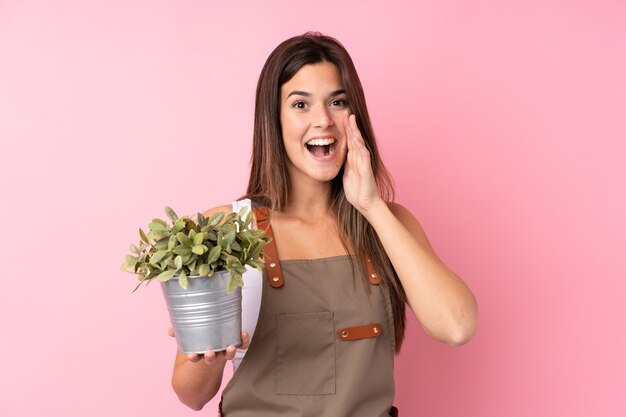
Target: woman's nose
[(322, 118)]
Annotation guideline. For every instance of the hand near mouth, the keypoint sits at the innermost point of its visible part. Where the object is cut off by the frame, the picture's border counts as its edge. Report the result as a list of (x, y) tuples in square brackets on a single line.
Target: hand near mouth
[(359, 183)]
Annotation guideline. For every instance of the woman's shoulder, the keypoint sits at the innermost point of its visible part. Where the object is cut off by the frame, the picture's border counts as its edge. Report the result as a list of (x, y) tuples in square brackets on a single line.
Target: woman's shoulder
[(408, 219), (226, 208), (398, 209)]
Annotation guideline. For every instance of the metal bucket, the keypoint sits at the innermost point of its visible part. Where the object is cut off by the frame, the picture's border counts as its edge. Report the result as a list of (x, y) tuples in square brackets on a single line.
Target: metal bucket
[(203, 316)]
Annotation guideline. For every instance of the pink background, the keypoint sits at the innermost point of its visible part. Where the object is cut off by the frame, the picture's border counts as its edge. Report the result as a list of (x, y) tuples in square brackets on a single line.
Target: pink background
[(503, 123)]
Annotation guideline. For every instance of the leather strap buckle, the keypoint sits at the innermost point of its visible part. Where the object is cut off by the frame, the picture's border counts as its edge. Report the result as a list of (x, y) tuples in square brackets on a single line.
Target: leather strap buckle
[(360, 332)]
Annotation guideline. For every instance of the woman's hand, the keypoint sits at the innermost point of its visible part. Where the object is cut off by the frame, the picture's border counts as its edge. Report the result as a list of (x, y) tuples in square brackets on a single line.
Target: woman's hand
[(359, 183), (210, 357)]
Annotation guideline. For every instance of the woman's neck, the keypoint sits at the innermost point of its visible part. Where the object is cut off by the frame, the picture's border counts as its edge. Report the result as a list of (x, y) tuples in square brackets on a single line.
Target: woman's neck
[(309, 200)]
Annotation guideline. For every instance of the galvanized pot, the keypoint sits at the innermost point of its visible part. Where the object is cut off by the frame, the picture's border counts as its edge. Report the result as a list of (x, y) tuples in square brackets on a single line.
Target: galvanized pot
[(204, 316)]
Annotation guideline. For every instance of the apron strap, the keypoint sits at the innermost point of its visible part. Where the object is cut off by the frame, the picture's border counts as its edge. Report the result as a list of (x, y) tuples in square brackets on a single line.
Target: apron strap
[(371, 274), (274, 271)]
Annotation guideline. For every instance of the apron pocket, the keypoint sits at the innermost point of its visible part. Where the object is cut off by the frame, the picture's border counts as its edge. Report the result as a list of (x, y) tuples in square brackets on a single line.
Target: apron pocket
[(305, 354)]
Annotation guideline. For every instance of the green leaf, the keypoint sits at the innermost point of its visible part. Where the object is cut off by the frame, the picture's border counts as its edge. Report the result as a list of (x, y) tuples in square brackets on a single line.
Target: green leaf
[(178, 261), (130, 259), (230, 260), (247, 220), (199, 238), (162, 243), (204, 270), (230, 285), (182, 280), (143, 236), (192, 266), (178, 226), (182, 238), (238, 280), (166, 275), (214, 254), (199, 249), (182, 250), (156, 226), (171, 214), (256, 251), (158, 256), (201, 220), (158, 234), (172, 242), (257, 264), (164, 264), (228, 239), (134, 249), (216, 218), (257, 233)]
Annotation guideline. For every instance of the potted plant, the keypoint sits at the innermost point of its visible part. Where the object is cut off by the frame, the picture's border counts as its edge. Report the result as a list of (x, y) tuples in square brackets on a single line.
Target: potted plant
[(200, 266)]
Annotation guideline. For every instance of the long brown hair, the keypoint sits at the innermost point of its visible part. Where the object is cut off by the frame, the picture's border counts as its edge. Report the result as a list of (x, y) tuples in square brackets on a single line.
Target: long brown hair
[(269, 182)]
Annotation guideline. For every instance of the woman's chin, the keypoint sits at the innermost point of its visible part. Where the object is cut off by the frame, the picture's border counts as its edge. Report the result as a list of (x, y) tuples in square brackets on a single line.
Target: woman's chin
[(328, 177), (323, 176)]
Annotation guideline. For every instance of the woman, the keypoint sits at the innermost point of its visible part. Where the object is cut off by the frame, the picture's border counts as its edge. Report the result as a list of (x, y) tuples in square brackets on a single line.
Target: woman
[(343, 261)]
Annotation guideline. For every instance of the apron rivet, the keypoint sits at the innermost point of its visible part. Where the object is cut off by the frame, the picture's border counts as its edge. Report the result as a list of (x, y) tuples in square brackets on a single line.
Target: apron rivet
[(275, 279), (272, 265), (344, 334), (376, 330), (373, 275)]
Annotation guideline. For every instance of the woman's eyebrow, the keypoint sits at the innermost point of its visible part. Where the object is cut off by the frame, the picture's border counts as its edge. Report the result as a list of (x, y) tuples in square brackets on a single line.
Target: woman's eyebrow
[(304, 93)]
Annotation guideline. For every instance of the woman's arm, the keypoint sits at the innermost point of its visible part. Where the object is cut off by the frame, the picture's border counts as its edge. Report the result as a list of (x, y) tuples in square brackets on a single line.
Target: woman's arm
[(197, 382), (197, 378), (443, 304)]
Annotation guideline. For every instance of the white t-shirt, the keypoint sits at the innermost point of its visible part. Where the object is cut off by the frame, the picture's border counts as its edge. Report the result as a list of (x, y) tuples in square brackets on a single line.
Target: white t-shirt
[(250, 295)]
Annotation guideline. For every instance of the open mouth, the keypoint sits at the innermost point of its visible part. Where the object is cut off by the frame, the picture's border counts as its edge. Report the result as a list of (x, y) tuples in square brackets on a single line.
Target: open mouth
[(322, 148)]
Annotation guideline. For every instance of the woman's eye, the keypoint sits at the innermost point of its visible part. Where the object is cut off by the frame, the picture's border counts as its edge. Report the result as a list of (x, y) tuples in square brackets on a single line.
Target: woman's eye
[(299, 104), (339, 102)]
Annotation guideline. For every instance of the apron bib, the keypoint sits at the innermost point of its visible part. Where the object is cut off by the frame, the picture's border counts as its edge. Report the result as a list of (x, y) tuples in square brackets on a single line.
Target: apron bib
[(321, 348)]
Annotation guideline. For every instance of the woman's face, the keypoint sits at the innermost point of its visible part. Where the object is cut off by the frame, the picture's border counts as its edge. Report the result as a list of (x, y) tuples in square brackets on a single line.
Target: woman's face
[(312, 105)]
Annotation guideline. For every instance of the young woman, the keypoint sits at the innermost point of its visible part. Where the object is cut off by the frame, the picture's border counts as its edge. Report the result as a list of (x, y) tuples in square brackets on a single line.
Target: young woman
[(324, 321)]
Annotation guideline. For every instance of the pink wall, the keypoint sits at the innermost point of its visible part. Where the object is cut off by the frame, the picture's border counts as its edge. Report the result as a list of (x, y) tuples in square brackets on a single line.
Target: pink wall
[(502, 122)]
